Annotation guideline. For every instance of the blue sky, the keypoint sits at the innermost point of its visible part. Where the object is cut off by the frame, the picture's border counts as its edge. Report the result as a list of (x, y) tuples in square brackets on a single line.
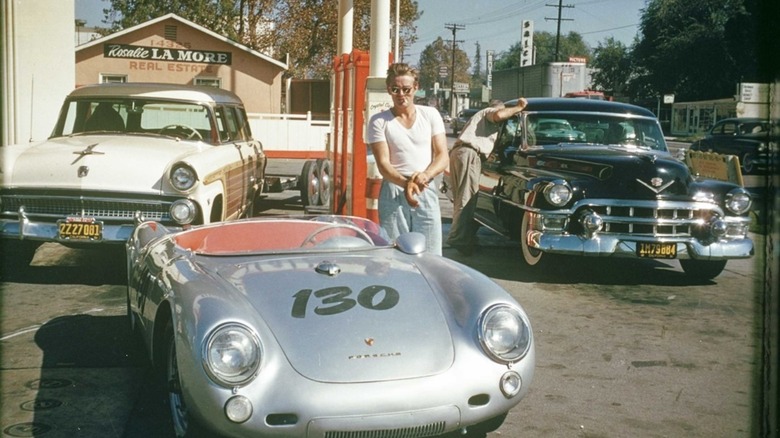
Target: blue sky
[(494, 24)]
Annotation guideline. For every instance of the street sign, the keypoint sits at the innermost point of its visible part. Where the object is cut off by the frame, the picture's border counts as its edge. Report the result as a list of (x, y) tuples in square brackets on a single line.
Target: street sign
[(460, 87)]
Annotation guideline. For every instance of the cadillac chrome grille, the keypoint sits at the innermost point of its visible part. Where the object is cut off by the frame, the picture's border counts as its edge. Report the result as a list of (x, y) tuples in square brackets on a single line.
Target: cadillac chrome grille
[(649, 219), (99, 208), (427, 430)]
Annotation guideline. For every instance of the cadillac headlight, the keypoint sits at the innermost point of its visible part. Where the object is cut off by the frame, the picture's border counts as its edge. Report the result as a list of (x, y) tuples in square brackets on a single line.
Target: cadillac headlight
[(183, 177), (504, 333), (738, 201), (232, 355), (558, 193)]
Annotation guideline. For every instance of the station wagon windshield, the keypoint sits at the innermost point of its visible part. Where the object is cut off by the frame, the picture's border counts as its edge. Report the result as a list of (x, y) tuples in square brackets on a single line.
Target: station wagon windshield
[(128, 116)]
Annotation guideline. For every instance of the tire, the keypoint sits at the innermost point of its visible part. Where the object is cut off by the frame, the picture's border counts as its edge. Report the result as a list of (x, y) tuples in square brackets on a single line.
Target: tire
[(310, 184), (702, 270), (132, 323), (748, 165), (531, 257), (324, 169), (184, 426)]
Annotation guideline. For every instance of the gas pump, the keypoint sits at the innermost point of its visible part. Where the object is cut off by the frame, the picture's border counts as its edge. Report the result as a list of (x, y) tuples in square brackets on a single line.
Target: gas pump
[(357, 97)]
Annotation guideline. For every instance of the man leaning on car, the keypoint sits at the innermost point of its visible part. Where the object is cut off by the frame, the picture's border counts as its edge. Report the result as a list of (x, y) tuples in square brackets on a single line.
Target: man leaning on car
[(476, 141)]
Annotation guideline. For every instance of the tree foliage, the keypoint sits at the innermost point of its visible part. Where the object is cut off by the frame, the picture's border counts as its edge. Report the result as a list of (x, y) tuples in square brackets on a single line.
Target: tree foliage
[(477, 78), (612, 67), (570, 44), (305, 29), (439, 54), (695, 50)]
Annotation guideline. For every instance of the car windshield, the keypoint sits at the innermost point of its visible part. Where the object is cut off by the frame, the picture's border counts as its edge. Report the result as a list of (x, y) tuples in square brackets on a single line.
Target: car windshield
[(592, 129), (756, 127), (327, 233), (127, 116)]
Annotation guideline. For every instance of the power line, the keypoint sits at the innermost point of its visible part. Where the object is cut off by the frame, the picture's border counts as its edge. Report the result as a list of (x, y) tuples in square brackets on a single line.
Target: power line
[(558, 34), (454, 28)]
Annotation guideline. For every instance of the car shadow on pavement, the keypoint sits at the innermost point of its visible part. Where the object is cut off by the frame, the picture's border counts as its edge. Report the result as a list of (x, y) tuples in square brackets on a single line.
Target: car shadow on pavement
[(56, 264), (503, 262), (87, 379), (286, 203)]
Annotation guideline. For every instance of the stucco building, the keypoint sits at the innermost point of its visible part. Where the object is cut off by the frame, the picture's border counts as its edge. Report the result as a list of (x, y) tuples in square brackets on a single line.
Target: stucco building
[(172, 49)]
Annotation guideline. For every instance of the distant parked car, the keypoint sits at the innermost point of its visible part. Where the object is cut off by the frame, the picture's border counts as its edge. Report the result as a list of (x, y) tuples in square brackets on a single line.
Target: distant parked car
[(445, 116), (556, 130), (459, 122), (750, 139), (123, 153)]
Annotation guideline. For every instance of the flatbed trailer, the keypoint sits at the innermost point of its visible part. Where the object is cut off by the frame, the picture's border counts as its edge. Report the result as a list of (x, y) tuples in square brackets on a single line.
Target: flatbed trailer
[(309, 176)]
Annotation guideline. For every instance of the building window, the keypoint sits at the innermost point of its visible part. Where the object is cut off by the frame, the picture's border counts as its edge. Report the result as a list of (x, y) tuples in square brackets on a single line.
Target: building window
[(211, 82), (108, 79)]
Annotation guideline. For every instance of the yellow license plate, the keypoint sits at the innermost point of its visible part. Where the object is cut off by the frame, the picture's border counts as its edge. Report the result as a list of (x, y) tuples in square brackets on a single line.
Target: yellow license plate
[(80, 229), (656, 250)]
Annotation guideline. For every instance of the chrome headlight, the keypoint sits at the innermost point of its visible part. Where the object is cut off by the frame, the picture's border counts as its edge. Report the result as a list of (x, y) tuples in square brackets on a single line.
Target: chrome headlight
[(183, 211), (232, 355), (557, 193), (504, 333), (738, 201), (183, 177)]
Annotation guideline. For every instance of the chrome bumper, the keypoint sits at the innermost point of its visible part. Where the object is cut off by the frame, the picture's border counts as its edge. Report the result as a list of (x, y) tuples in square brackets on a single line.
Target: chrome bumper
[(604, 245), (48, 232)]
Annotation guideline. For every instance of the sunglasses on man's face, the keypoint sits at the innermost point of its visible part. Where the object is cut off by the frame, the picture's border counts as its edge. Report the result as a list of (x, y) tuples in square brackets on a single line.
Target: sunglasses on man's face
[(400, 90)]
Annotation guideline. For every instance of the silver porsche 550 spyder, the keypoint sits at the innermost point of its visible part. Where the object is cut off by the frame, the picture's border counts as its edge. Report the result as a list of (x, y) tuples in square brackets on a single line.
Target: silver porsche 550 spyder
[(321, 327)]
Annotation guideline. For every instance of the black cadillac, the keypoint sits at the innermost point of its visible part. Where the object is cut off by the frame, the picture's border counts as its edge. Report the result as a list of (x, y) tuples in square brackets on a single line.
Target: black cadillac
[(604, 184)]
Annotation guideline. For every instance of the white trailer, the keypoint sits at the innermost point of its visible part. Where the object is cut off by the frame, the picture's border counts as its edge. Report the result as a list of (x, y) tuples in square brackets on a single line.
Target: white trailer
[(552, 79)]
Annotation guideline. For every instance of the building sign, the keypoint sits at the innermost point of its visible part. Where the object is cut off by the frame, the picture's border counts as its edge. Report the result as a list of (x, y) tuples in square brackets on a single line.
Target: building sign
[(460, 87), (144, 53), (527, 43), (753, 93), (578, 59), (490, 55)]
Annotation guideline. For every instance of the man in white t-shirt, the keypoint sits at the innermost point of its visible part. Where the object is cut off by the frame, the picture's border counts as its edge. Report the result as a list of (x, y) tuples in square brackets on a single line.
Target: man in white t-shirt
[(409, 144), (472, 146)]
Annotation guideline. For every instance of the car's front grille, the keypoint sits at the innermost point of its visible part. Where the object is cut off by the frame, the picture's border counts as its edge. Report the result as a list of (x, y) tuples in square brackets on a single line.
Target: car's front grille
[(672, 219), (101, 208), (427, 430)]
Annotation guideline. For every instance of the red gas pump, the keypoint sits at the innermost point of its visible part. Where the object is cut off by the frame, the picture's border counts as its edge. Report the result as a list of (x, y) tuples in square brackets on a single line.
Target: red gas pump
[(349, 154)]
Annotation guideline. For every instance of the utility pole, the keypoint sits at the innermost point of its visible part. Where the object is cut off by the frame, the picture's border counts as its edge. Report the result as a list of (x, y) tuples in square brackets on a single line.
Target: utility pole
[(558, 35), (454, 28)]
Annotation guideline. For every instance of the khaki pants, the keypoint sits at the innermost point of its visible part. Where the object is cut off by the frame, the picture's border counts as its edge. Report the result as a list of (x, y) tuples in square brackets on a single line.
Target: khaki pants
[(465, 170)]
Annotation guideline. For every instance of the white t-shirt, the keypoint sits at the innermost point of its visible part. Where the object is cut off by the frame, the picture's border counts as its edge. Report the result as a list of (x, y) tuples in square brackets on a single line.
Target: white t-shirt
[(411, 150)]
